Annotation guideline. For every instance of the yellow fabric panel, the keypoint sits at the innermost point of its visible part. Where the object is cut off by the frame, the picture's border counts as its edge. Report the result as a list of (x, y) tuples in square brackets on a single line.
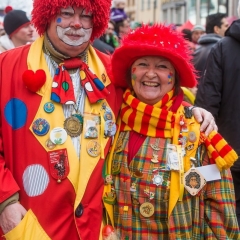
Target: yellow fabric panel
[(36, 60), (80, 171), (28, 228)]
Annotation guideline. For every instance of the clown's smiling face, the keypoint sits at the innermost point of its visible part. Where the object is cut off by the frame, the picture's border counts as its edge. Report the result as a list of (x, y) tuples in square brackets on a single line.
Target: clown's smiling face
[(152, 78), (71, 30)]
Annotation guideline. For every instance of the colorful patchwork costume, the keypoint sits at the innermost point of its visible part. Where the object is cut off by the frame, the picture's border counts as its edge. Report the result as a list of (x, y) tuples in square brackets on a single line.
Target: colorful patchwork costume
[(169, 181)]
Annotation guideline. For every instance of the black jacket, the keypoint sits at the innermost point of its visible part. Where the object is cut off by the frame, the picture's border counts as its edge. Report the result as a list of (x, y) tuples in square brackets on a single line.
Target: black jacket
[(102, 46), (219, 92), (200, 55)]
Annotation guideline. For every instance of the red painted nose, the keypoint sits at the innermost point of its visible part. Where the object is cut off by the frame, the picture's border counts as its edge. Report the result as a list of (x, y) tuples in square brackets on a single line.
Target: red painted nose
[(77, 25)]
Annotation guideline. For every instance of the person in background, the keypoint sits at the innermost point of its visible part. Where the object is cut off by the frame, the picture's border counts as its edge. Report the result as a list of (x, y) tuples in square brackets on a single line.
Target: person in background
[(163, 179), (197, 32), (18, 28), (219, 93), (189, 93), (119, 16), (110, 36), (108, 41), (2, 31), (187, 34), (117, 11), (122, 28), (216, 26)]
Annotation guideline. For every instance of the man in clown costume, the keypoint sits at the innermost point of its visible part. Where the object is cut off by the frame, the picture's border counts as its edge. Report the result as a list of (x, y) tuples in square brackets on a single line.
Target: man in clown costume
[(56, 103)]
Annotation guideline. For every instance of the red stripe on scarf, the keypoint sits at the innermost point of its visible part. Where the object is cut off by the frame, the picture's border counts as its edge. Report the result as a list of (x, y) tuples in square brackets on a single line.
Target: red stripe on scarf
[(225, 150), (126, 95), (146, 118), (216, 139), (214, 154), (131, 118), (161, 124)]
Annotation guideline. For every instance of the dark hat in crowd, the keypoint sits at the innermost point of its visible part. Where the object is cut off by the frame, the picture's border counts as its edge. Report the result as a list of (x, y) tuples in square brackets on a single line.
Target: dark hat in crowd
[(14, 20)]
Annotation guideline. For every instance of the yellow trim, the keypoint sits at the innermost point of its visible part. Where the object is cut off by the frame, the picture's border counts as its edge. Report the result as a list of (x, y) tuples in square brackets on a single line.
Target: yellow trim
[(36, 60), (188, 94), (28, 228), (80, 171), (176, 187), (107, 188)]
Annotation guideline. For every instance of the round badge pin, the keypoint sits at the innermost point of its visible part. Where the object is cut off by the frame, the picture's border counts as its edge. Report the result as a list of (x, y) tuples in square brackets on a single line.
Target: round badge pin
[(49, 107), (107, 116), (93, 148), (147, 209), (73, 126), (49, 144), (40, 127), (110, 128), (58, 135), (192, 137)]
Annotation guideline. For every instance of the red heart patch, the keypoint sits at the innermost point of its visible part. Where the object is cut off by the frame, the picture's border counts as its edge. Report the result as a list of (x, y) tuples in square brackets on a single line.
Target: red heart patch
[(34, 81)]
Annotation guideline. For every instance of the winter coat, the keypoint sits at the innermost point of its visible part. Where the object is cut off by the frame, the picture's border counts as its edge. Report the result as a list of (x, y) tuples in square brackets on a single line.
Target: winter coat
[(219, 91), (6, 43), (200, 55)]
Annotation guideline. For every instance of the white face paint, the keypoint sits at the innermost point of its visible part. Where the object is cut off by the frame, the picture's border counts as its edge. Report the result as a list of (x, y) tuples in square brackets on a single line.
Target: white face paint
[(74, 37)]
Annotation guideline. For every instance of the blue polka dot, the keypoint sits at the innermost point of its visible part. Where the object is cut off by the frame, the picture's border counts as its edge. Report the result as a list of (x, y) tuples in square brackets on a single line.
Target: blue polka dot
[(55, 97), (59, 20), (15, 113), (99, 84)]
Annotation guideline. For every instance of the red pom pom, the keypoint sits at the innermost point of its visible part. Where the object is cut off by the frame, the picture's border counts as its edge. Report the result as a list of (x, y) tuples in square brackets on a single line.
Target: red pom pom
[(34, 81), (107, 230), (8, 9)]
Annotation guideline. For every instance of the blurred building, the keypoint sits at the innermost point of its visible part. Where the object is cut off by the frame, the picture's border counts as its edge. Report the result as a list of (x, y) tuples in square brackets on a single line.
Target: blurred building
[(25, 5), (178, 11)]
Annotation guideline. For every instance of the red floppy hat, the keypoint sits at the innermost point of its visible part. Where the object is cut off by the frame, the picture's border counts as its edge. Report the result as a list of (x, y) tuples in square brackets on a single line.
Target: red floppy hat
[(156, 40)]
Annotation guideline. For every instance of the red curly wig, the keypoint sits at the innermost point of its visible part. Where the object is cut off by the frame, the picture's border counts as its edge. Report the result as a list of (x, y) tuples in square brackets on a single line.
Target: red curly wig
[(156, 40), (44, 11)]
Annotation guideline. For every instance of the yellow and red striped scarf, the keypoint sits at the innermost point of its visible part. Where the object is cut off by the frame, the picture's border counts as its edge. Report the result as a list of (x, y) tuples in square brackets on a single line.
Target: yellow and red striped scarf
[(148, 120), (219, 151), (158, 121)]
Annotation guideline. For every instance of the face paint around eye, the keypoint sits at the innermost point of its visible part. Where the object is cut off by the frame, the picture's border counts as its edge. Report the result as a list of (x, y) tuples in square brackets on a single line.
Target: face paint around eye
[(59, 20)]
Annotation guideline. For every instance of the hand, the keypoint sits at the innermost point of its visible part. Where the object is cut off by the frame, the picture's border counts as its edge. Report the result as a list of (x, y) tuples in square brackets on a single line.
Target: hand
[(206, 119), (11, 216)]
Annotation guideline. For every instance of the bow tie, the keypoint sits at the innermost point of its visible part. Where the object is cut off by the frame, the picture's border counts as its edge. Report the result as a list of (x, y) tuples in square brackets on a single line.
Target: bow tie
[(62, 87)]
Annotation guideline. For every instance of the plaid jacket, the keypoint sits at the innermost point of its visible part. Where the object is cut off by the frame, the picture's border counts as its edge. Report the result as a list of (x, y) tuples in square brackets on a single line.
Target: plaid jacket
[(210, 215)]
